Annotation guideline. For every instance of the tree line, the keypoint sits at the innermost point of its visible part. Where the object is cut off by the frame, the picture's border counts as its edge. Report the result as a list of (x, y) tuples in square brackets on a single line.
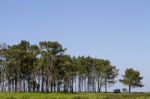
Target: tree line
[(45, 67)]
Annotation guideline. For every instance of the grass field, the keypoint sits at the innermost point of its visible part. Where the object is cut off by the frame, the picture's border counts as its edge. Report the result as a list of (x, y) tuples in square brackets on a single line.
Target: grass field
[(72, 96)]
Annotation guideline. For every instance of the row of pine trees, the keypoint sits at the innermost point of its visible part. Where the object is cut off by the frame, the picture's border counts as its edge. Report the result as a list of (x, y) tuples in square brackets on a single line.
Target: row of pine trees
[(45, 67)]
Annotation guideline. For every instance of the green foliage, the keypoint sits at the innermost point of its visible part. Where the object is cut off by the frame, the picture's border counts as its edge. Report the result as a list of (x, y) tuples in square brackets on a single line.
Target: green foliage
[(132, 78), (73, 96), (45, 67)]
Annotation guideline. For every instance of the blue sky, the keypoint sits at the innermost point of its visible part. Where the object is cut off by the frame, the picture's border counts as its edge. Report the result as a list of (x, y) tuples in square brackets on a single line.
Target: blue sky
[(118, 30)]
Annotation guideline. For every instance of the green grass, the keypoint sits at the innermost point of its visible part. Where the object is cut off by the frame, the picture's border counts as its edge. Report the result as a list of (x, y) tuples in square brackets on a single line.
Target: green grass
[(72, 96)]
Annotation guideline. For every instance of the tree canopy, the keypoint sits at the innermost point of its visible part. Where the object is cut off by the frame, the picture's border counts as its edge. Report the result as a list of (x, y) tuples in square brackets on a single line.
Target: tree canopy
[(132, 78), (45, 67)]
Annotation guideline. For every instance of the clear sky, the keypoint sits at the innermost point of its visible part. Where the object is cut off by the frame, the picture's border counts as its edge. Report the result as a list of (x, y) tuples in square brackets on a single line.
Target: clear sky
[(118, 30)]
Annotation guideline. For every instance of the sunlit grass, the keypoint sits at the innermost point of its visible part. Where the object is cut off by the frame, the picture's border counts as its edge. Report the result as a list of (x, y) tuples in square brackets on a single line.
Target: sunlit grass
[(72, 96)]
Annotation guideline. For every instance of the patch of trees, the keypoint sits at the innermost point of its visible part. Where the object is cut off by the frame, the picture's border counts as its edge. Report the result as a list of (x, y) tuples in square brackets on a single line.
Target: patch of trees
[(45, 67)]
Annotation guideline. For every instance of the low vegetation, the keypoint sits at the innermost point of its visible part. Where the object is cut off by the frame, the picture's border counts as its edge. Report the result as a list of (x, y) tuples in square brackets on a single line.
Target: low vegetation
[(72, 96)]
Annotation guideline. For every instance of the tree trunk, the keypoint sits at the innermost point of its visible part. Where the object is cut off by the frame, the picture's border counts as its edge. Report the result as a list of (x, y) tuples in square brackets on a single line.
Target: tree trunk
[(24, 85), (29, 85), (55, 85), (16, 84), (129, 88), (100, 83), (79, 87), (47, 84), (105, 86), (99, 90), (71, 85), (42, 86)]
